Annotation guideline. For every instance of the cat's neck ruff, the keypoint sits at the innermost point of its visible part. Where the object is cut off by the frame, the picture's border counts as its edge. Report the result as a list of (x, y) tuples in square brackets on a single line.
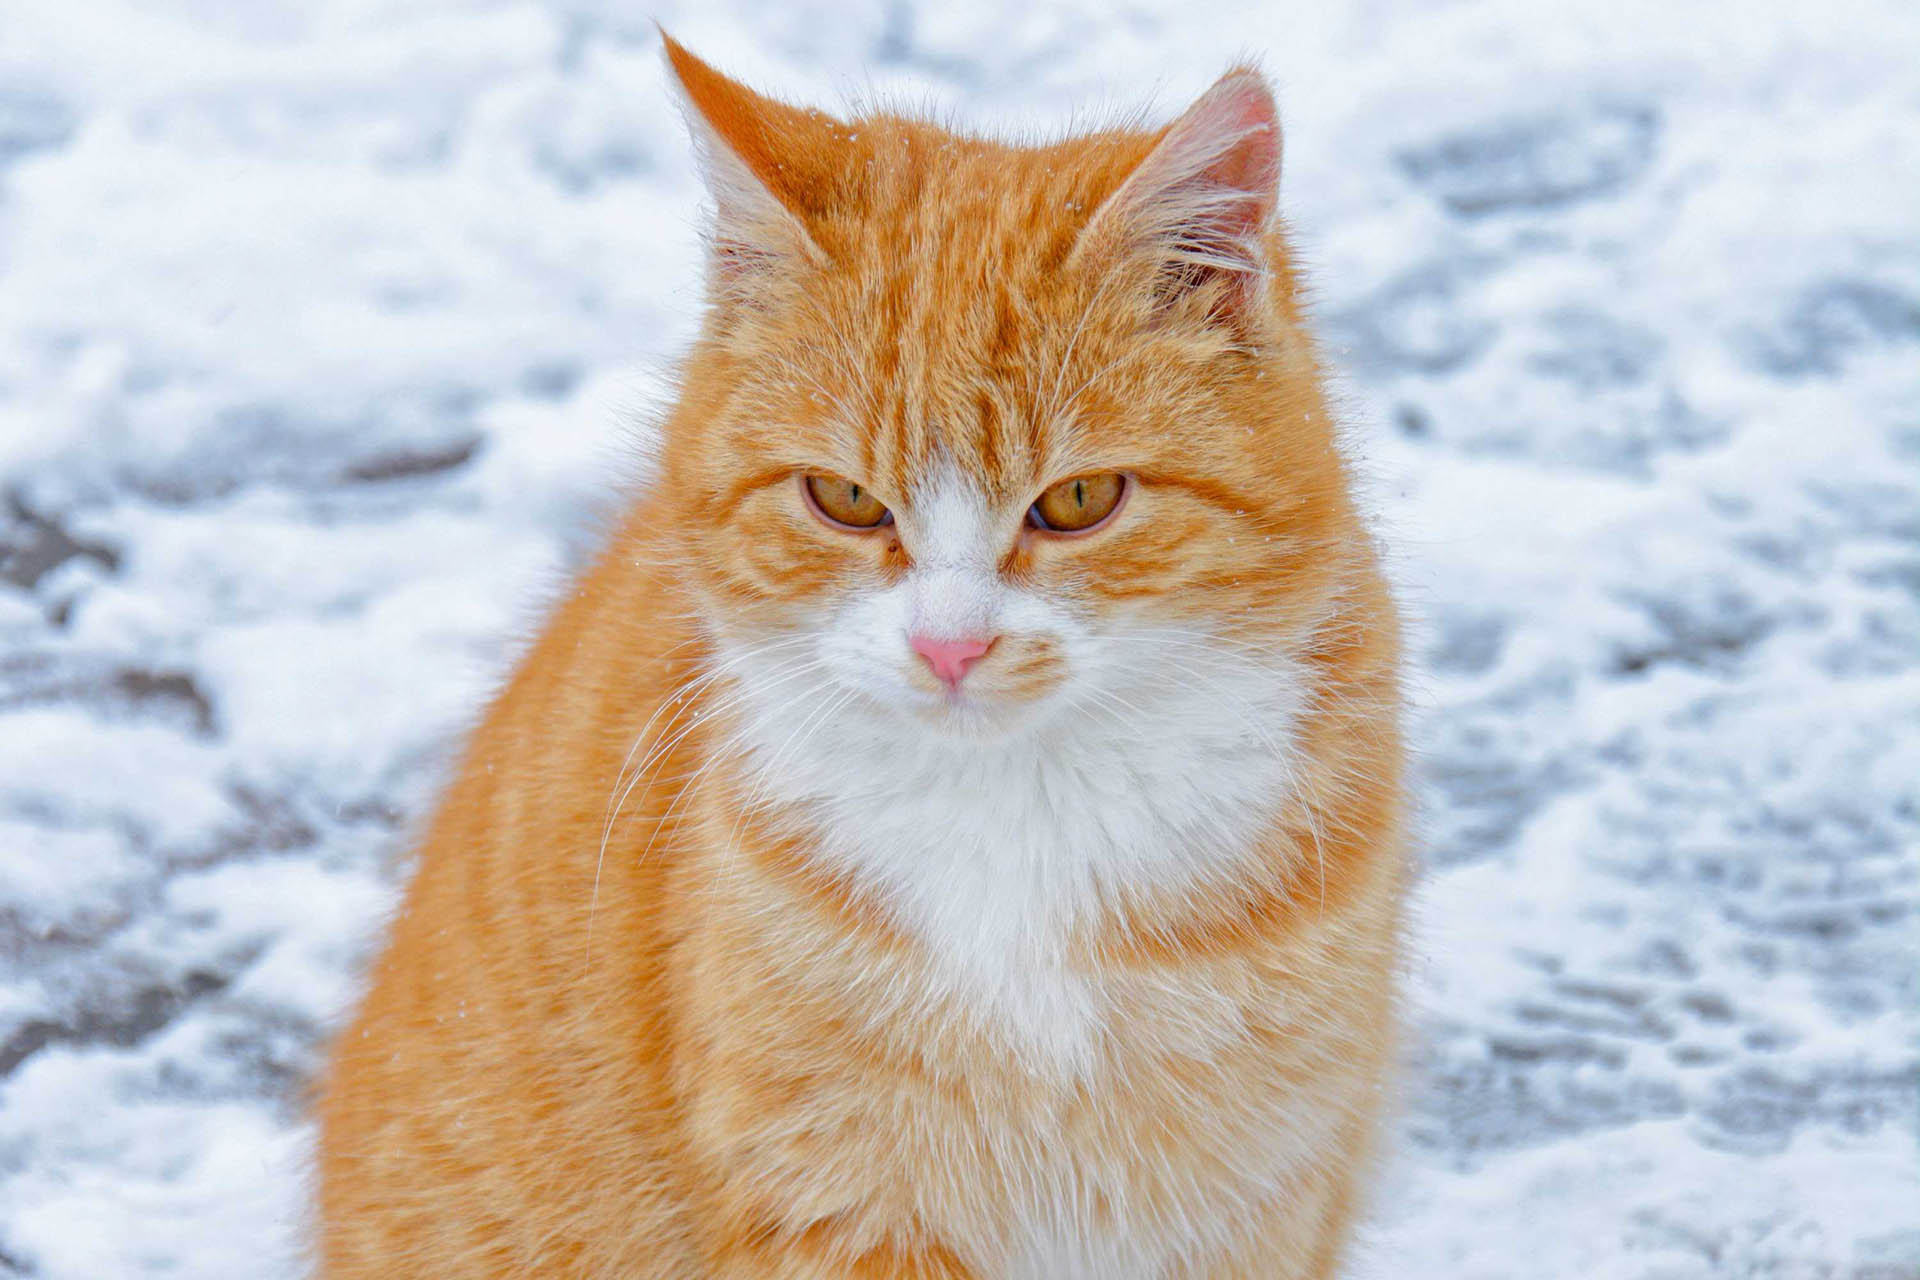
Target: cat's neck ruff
[(995, 854)]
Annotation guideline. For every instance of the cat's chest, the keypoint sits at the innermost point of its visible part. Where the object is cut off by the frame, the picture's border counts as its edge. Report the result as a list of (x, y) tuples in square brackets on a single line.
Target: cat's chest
[(1072, 1086), (1000, 873)]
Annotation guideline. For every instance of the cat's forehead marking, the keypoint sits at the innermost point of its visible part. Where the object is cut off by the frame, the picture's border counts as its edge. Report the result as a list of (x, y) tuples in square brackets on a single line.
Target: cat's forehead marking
[(942, 404), (952, 518)]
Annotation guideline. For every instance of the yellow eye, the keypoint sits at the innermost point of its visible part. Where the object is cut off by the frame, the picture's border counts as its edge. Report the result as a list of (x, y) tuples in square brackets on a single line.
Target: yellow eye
[(1075, 505), (843, 502)]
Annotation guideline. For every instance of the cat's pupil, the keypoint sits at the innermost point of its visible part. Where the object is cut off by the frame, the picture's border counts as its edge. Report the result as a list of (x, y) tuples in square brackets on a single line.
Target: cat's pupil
[(1079, 493)]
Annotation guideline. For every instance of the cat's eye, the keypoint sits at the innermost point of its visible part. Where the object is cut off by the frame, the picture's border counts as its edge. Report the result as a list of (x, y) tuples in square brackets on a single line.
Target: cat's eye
[(843, 502), (1077, 505)]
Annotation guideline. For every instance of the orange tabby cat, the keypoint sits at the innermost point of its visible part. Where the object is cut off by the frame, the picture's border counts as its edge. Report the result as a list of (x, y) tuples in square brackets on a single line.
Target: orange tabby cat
[(956, 828)]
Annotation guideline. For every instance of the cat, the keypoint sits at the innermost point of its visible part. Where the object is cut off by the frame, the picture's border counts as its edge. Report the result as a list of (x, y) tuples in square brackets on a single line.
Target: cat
[(956, 829)]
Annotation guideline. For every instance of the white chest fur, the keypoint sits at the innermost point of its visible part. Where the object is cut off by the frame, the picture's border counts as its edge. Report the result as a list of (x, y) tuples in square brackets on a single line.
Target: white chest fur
[(994, 854)]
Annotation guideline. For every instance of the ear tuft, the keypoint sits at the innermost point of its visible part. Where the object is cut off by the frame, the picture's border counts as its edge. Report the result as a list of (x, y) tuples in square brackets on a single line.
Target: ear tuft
[(1200, 204), (766, 169)]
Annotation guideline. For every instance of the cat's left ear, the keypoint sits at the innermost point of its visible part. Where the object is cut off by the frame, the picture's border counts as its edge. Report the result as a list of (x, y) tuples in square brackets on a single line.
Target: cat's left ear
[(1196, 211), (771, 170)]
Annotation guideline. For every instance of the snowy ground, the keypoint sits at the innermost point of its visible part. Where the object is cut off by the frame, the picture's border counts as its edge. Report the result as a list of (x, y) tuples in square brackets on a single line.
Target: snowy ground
[(327, 329)]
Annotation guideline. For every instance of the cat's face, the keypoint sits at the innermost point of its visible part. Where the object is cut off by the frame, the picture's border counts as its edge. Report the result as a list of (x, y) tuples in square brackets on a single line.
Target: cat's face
[(977, 443)]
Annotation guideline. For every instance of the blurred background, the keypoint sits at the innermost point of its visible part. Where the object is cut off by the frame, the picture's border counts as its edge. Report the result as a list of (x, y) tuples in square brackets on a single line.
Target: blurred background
[(330, 332)]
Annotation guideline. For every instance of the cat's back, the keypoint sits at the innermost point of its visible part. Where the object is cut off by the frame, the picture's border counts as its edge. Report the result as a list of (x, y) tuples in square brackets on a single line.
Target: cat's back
[(511, 1058)]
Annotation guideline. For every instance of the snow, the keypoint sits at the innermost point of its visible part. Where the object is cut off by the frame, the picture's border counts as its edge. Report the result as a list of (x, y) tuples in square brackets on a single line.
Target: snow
[(329, 332)]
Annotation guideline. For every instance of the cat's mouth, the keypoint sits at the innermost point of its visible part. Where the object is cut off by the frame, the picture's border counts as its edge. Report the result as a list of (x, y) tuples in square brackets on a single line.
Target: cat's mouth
[(977, 713)]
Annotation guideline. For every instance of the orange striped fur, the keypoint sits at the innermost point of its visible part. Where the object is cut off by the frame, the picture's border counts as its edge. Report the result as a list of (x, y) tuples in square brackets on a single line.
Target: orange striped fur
[(742, 947)]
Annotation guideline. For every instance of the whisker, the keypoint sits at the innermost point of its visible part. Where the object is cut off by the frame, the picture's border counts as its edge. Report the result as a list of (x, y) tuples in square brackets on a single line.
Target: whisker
[(799, 737), (617, 798)]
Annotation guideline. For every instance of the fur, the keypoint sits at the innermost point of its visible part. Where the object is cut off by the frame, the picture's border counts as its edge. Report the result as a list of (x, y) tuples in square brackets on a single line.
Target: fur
[(742, 947)]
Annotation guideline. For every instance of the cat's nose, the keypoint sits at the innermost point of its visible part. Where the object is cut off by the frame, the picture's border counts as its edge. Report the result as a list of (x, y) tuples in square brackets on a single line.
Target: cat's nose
[(951, 658)]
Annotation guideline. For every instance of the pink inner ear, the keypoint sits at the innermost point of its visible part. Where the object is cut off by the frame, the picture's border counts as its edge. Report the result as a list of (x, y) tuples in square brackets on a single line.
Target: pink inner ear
[(1201, 200), (1214, 176), (1252, 163)]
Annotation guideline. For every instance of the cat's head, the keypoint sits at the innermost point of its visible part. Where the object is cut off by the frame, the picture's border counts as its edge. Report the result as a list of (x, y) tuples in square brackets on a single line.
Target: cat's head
[(980, 438)]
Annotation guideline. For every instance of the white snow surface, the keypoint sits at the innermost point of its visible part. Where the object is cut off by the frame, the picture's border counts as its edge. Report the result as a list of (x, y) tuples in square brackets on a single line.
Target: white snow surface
[(329, 333)]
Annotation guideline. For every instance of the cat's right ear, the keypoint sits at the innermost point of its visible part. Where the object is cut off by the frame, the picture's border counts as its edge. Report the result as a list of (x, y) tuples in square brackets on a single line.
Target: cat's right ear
[(769, 171)]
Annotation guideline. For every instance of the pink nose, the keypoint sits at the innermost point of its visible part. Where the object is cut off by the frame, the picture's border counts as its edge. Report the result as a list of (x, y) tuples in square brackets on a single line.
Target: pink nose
[(950, 658)]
